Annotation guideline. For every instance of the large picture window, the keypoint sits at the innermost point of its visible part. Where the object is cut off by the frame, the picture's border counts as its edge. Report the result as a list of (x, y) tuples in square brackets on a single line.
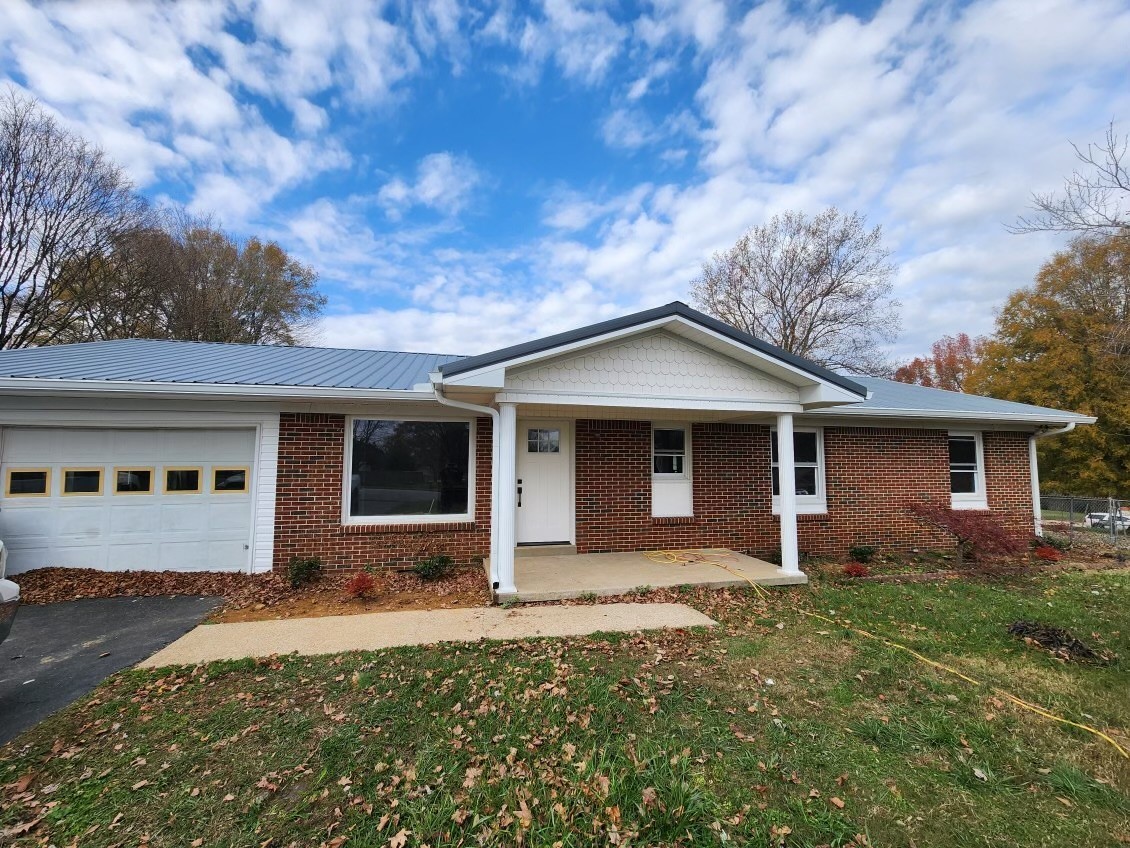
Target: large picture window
[(405, 468), (808, 470)]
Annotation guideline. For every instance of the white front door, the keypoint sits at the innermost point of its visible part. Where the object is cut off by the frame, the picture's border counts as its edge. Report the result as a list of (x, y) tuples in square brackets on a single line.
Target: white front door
[(545, 482)]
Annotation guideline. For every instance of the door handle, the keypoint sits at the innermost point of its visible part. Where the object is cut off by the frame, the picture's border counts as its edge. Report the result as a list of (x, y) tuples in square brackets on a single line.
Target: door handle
[(519, 493)]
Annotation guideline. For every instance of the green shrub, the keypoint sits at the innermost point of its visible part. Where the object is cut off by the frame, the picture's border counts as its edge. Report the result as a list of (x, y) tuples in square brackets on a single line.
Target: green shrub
[(862, 553), (434, 567), (1060, 543), (303, 570)]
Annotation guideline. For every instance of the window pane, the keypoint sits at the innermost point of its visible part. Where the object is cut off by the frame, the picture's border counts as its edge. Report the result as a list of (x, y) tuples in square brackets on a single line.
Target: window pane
[(670, 441), (963, 482), (82, 482), (229, 479), (776, 481), (668, 464), (805, 481), (133, 480), (963, 449), (27, 482), (182, 479), (773, 446), (412, 467), (804, 447)]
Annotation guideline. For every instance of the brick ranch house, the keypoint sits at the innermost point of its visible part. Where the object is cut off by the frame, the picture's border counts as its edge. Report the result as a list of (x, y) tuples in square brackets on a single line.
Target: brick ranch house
[(659, 430)]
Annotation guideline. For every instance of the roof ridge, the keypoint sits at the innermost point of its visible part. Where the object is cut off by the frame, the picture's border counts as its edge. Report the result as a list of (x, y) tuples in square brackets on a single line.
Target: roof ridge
[(241, 345)]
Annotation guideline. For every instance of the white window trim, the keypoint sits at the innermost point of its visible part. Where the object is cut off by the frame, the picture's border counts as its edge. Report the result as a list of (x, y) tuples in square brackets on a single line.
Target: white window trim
[(686, 473), (347, 475), (685, 480), (970, 500), (805, 504)]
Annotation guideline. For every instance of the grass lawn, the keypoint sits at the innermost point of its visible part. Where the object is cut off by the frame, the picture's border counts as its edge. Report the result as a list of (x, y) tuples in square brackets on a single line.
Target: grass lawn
[(773, 730)]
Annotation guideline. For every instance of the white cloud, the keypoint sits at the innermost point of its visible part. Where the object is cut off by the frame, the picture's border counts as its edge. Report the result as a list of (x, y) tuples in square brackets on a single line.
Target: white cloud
[(444, 182)]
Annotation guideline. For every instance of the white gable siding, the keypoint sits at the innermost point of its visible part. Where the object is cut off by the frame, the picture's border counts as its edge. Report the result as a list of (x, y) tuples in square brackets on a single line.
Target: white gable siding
[(656, 364)]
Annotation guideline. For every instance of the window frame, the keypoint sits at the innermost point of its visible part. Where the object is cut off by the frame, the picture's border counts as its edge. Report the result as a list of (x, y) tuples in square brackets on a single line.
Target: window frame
[(347, 473), (968, 500), (128, 468), (805, 504), (165, 469), (246, 479), (46, 493), (63, 481), (674, 476)]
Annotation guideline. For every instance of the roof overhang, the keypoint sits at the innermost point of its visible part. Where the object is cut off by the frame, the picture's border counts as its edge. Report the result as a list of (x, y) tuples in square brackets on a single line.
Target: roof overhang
[(817, 386), (227, 391)]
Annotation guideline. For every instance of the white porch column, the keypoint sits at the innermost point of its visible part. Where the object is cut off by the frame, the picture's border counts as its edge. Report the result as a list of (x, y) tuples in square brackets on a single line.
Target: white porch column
[(786, 475), (1034, 468), (507, 502)]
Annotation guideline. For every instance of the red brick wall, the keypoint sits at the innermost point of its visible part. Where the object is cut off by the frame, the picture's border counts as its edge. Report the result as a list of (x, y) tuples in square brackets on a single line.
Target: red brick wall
[(870, 475), (308, 506)]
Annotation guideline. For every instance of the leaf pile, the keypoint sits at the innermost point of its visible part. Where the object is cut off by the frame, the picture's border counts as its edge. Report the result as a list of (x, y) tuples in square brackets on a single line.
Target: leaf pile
[(1061, 643)]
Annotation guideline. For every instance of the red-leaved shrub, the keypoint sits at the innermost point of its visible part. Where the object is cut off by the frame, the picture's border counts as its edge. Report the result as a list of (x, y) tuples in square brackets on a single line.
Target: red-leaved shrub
[(856, 569), (1047, 553), (361, 585), (975, 533)]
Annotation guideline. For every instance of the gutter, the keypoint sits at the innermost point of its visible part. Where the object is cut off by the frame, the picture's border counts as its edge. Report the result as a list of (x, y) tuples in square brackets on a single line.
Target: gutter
[(437, 391)]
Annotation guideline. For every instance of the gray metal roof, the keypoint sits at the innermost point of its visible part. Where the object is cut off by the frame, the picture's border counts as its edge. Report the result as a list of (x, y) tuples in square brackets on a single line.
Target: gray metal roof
[(207, 363), (158, 361), (892, 398)]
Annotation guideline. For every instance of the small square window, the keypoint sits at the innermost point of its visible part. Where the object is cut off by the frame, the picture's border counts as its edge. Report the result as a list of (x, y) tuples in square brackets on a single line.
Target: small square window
[(82, 481), (133, 481), (543, 441), (28, 482), (185, 481), (229, 480), (669, 450)]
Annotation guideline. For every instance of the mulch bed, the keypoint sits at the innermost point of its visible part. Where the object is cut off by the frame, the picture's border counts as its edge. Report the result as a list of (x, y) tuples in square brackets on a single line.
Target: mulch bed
[(250, 597)]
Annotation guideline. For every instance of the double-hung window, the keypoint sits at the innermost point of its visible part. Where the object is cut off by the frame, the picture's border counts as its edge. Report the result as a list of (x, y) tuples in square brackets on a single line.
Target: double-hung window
[(671, 488), (403, 469), (808, 470), (967, 471)]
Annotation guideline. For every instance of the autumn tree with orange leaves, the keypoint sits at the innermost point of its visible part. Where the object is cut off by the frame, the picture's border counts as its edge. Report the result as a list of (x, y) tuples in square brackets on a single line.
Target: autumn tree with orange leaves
[(1063, 343), (949, 364)]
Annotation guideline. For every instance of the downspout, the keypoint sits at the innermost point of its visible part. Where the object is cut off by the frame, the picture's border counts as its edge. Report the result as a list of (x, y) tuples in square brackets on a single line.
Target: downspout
[(494, 447), (1035, 471)]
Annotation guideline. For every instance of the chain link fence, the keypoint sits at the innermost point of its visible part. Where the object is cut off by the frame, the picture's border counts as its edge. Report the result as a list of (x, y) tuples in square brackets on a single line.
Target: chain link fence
[(1109, 517)]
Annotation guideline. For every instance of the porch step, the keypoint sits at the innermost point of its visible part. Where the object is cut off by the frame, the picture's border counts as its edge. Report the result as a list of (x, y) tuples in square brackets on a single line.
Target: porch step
[(544, 550)]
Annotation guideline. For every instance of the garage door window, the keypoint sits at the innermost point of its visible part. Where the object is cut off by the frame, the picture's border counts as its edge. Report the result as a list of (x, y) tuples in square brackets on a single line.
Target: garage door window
[(229, 480), (82, 481), (408, 468), (28, 483), (133, 481), (183, 481)]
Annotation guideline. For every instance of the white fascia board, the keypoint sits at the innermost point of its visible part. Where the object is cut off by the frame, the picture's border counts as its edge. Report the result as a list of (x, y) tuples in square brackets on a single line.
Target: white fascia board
[(646, 402), (951, 415), (826, 394), (129, 388)]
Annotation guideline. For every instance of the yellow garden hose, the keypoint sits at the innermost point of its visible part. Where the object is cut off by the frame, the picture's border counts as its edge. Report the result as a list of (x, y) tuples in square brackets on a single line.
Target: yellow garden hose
[(714, 556)]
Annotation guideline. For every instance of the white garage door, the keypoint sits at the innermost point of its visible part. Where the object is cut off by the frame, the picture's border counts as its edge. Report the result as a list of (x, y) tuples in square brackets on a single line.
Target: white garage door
[(119, 499)]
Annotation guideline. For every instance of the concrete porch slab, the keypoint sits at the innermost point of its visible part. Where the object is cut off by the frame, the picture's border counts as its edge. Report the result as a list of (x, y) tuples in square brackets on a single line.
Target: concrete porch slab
[(554, 578)]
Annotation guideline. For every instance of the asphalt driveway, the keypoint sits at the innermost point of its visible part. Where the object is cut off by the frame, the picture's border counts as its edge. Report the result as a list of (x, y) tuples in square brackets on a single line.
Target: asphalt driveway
[(57, 653)]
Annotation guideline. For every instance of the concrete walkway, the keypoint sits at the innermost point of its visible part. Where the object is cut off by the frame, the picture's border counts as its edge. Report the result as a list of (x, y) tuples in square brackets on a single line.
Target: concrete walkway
[(333, 634)]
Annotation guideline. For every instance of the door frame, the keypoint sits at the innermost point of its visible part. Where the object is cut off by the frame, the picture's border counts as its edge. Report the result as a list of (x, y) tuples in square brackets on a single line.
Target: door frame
[(566, 425)]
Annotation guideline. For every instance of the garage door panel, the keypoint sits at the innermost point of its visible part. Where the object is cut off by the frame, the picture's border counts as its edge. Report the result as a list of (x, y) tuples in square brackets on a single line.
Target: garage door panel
[(190, 531)]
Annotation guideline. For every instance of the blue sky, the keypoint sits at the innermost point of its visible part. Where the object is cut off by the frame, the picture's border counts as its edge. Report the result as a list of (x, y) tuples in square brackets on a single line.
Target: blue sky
[(469, 176)]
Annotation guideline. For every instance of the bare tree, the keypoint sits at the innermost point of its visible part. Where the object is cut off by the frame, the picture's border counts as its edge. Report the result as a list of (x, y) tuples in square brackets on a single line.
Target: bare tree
[(1094, 198), (819, 287), (184, 278), (62, 205)]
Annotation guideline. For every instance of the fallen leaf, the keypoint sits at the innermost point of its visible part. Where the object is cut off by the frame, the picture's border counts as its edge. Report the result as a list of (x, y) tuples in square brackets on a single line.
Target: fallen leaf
[(139, 784), (399, 839), (836, 802)]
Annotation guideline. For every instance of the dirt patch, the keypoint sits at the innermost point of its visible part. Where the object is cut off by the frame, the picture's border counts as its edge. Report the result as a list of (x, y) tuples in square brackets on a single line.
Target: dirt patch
[(260, 597), (394, 590), (1059, 642)]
